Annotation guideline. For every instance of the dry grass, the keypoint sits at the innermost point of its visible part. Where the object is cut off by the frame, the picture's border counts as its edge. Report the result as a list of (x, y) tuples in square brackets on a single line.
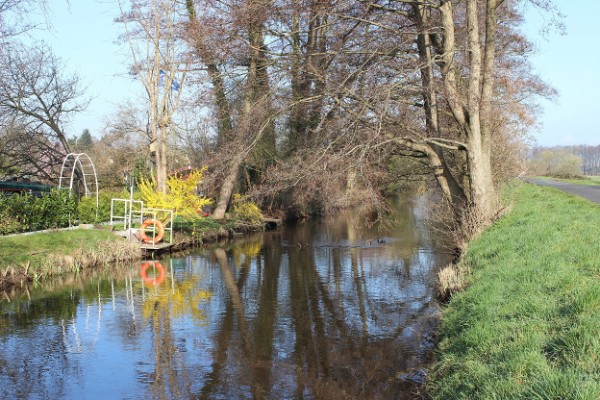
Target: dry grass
[(102, 253), (452, 279)]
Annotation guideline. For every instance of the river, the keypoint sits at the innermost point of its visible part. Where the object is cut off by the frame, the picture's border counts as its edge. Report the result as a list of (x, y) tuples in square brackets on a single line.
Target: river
[(321, 309)]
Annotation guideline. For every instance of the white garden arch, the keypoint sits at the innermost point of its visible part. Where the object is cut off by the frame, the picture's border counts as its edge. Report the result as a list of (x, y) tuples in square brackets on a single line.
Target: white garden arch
[(81, 162)]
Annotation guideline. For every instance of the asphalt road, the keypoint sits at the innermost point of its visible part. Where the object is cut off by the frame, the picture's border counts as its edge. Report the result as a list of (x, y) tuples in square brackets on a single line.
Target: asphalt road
[(591, 193)]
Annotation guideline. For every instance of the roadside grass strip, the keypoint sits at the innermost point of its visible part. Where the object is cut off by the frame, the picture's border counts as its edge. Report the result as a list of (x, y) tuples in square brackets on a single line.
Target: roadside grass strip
[(584, 180), (528, 324)]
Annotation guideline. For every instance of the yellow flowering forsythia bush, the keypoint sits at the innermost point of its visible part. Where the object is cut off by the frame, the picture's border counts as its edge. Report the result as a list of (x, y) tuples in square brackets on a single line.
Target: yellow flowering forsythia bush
[(245, 210), (181, 195)]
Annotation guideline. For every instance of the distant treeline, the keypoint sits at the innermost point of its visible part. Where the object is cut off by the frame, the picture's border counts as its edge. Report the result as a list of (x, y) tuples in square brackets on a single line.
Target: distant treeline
[(590, 156)]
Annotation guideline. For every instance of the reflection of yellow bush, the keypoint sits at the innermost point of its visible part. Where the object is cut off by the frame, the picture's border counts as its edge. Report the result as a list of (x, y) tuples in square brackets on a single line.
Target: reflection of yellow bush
[(245, 210), (183, 299), (181, 195), (251, 249), (247, 249)]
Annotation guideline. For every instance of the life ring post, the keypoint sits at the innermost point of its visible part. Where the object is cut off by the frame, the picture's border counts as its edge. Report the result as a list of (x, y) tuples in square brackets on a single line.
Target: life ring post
[(156, 226)]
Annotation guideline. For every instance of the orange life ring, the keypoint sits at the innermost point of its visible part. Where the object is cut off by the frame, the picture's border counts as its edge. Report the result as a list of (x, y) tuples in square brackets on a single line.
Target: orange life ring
[(160, 273), (157, 225)]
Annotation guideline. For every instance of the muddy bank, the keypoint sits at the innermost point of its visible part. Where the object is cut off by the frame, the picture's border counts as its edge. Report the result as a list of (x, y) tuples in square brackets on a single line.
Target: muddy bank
[(16, 279)]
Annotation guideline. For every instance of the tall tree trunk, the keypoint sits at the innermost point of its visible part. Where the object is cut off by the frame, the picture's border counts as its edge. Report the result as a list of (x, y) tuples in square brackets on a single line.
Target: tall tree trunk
[(473, 114), (222, 107), (427, 77), (258, 98), (227, 187), (297, 121), (156, 113), (307, 72), (480, 92), (161, 159)]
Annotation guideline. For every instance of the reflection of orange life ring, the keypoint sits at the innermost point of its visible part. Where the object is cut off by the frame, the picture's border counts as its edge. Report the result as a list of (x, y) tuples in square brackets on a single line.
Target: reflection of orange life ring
[(160, 273), (157, 226)]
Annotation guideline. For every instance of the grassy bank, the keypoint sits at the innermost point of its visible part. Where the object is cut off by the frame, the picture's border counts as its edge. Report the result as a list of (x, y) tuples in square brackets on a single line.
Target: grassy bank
[(528, 325), (37, 255), (44, 254)]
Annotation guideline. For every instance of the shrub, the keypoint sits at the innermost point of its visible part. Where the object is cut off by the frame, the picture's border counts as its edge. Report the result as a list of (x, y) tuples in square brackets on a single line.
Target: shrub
[(26, 212), (181, 195), (86, 209), (196, 227), (245, 210), (9, 224), (557, 163)]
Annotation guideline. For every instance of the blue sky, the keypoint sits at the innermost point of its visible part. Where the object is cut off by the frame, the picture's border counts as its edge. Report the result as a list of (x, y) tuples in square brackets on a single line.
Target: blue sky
[(84, 38), (570, 64)]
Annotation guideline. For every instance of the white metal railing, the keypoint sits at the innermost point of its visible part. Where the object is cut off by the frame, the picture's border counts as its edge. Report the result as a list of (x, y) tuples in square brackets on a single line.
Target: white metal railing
[(136, 212)]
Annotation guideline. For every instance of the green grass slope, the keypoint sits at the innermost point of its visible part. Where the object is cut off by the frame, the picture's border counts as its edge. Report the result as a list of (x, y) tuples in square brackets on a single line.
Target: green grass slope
[(528, 326), (34, 248)]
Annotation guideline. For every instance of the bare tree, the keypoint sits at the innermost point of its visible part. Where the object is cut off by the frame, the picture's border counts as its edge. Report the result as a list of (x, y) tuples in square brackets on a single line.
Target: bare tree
[(559, 160), (335, 90), (159, 61), (230, 35), (591, 158), (37, 99), (421, 79), (25, 154), (13, 18)]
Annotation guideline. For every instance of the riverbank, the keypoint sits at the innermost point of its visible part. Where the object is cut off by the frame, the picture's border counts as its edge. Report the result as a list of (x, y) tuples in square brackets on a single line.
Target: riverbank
[(527, 324), (40, 255)]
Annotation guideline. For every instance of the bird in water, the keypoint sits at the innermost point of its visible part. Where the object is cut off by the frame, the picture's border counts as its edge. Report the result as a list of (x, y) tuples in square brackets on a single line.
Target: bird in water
[(378, 240)]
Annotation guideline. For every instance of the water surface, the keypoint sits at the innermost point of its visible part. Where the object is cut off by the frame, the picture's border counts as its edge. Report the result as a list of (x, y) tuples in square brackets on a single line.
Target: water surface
[(324, 309)]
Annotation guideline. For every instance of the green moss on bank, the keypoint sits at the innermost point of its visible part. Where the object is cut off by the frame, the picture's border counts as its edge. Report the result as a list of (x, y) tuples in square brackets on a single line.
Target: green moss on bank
[(527, 326)]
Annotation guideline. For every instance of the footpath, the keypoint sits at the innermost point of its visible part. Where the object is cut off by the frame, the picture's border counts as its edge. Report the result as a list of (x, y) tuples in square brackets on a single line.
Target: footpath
[(591, 193)]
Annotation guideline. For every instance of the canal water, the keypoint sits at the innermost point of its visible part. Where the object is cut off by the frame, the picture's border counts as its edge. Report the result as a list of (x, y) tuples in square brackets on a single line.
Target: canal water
[(328, 309)]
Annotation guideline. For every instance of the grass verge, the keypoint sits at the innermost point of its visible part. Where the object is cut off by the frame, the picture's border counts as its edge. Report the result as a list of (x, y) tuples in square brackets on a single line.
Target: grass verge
[(585, 180), (25, 257), (527, 326)]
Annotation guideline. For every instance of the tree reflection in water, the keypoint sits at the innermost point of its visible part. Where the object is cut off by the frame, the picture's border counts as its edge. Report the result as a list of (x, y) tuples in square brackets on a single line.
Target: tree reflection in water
[(314, 311)]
